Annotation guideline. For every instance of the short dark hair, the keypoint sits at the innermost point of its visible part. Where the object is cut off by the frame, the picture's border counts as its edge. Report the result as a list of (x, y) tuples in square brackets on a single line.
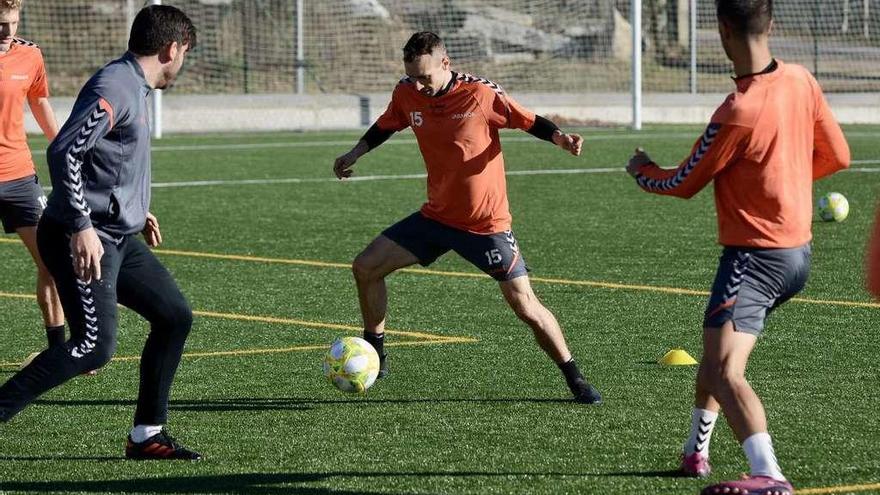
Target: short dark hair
[(746, 16), (157, 26), (421, 43)]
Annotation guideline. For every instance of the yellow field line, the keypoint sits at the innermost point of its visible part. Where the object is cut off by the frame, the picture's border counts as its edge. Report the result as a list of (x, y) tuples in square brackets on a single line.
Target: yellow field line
[(284, 321), (555, 281), (839, 489), (281, 350)]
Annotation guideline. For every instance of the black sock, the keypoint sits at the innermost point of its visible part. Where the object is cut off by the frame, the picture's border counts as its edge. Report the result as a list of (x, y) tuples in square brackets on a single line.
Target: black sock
[(573, 376), (377, 340), (55, 335)]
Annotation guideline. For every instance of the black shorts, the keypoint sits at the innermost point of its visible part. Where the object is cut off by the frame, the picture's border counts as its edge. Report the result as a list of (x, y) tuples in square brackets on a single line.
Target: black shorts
[(752, 282), (21, 203), (495, 254)]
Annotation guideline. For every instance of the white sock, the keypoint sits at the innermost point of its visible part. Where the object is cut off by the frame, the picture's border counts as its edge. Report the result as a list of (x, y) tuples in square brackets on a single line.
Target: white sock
[(702, 424), (141, 433), (762, 459)]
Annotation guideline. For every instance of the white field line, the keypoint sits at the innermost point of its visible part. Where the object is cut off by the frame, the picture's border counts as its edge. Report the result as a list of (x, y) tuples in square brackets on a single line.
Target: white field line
[(367, 178), (600, 136)]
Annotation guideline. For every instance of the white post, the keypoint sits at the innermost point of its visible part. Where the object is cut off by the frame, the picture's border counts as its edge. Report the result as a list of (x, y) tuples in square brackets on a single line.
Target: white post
[(157, 100), (693, 33), (130, 12), (867, 18), (300, 50), (636, 22)]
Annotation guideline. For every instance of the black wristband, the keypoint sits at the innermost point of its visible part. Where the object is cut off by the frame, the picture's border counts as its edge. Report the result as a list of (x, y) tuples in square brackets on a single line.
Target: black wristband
[(543, 129), (376, 136)]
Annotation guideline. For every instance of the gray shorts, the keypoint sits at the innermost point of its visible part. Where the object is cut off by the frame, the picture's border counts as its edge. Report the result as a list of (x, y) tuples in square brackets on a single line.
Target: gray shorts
[(21, 203), (497, 254), (751, 283)]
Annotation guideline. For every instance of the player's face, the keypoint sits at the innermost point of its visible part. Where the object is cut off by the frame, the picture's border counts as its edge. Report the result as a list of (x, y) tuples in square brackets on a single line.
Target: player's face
[(430, 72), (173, 68), (8, 28)]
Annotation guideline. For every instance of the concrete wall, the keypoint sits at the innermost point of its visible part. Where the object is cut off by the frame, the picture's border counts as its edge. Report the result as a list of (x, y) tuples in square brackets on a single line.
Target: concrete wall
[(224, 113)]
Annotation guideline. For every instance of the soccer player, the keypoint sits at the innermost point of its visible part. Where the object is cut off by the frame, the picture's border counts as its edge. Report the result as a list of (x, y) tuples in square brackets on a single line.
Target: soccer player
[(23, 78), (873, 270), (764, 147), (455, 118), (100, 168)]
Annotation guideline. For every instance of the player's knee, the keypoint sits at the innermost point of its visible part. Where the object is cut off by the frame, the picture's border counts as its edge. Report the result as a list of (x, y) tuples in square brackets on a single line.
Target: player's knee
[(100, 355), (363, 269), (177, 316), (528, 311)]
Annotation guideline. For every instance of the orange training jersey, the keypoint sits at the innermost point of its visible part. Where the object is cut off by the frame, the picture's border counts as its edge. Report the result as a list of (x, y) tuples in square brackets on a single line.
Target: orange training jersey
[(764, 147), (457, 134), (22, 76)]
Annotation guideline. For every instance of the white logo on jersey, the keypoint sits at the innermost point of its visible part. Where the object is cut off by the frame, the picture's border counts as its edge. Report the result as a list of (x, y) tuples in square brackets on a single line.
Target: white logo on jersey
[(19, 77), (466, 115)]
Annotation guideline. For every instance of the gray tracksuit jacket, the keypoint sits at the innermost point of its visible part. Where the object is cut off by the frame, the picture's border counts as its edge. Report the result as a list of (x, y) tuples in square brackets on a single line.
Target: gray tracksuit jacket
[(100, 161)]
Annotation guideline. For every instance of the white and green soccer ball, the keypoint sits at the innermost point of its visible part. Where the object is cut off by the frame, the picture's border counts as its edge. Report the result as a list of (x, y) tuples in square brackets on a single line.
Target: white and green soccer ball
[(833, 207), (351, 364)]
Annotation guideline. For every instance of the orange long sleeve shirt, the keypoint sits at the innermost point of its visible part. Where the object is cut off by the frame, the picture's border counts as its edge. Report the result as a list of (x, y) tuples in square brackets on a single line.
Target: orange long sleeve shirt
[(764, 147)]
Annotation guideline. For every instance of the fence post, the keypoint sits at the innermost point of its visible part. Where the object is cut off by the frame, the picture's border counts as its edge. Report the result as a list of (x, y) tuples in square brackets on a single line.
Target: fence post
[(300, 50), (636, 21), (693, 38)]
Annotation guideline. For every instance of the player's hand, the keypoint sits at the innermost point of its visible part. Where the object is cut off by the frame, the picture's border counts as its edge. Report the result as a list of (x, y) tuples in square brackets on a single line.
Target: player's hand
[(638, 159), (87, 251), (151, 231), (342, 165), (569, 142)]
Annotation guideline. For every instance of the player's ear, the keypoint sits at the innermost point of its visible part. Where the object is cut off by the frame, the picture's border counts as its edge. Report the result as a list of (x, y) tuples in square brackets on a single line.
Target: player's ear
[(770, 27), (169, 52), (445, 63)]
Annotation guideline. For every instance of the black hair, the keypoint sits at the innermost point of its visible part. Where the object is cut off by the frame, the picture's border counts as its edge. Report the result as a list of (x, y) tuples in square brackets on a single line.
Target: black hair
[(746, 16), (421, 43), (157, 26)]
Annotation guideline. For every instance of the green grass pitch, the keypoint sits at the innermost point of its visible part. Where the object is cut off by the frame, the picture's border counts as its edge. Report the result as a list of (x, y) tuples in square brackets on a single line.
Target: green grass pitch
[(471, 405)]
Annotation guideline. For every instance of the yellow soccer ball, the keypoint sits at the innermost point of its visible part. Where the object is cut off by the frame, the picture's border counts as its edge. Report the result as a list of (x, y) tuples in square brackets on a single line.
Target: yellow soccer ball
[(833, 207), (351, 364)]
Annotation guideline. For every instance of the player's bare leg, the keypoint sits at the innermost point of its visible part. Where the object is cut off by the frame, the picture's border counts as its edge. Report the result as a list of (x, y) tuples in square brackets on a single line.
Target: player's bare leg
[(47, 296), (725, 356), (378, 260), (695, 455), (525, 304)]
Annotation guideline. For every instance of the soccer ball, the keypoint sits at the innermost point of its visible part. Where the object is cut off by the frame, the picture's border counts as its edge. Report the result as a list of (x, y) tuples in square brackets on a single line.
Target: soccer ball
[(833, 207), (351, 364)]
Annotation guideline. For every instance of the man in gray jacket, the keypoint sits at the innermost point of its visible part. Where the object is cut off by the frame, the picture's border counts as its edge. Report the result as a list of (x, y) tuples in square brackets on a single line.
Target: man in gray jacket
[(100, 169)]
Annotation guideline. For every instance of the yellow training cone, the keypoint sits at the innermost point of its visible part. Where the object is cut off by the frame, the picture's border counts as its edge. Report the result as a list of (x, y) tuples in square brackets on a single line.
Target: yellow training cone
[(677, 357)]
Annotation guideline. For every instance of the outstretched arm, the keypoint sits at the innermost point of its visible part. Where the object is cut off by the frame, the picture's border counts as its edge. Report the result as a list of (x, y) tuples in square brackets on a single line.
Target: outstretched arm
[(718, 146), (371, 139), (545, 129)]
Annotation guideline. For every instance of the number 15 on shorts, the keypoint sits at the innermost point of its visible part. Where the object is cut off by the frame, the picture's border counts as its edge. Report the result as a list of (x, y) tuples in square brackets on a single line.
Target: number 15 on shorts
[(493, 256)]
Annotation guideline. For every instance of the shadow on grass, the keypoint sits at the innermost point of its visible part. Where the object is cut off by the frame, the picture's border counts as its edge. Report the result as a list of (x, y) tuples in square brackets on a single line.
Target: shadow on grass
[(262, 483), (16, 458), (671, 473), (281, 403)]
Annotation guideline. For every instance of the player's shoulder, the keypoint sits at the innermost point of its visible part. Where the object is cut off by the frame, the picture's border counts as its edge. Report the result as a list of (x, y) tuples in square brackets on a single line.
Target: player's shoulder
[(740, 108), (26, 45), (479, 84)]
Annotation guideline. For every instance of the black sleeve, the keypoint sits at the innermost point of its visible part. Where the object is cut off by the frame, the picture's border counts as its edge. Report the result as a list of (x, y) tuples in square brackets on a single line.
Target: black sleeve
[(376, 136), (543, 129)]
